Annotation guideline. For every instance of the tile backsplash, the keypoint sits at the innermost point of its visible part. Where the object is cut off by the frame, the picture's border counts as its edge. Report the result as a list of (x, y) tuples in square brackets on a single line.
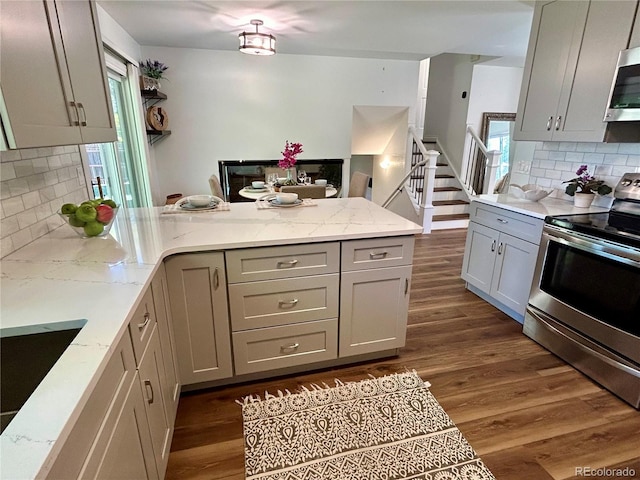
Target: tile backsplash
[(34, 183), (556, 162)]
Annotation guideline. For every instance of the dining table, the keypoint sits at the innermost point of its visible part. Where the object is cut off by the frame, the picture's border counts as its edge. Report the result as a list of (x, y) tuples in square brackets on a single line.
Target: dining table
[(255, 194)]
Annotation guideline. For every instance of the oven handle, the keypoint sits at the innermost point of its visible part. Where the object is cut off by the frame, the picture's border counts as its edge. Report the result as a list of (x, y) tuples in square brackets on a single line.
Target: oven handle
[(592, 245)]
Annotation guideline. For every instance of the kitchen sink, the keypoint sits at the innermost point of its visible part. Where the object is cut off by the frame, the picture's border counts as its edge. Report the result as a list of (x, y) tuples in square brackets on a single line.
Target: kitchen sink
[(27, 354)]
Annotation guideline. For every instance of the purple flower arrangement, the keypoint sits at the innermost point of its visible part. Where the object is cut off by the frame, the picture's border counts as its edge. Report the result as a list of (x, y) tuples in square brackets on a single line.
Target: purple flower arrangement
[(291, 150), (586, 183)]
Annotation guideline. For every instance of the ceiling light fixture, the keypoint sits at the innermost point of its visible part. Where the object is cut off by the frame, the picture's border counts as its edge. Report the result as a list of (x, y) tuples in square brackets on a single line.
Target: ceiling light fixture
[(256, 43)]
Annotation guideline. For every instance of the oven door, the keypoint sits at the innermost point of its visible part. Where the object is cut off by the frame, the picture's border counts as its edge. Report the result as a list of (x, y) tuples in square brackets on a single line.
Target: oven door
[(591, 285)]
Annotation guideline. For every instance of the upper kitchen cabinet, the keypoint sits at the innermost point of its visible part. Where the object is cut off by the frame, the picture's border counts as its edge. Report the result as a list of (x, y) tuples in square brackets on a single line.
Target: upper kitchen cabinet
[(573, 49), (53, 79), (634, 41)]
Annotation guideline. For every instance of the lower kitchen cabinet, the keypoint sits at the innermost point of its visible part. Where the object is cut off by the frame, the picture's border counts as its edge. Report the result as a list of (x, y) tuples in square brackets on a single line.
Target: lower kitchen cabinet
[(498, 263), (373, 310), (199, 309)]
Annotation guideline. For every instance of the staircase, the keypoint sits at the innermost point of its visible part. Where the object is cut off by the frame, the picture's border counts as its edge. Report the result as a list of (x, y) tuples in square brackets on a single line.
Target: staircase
[(450, 202)]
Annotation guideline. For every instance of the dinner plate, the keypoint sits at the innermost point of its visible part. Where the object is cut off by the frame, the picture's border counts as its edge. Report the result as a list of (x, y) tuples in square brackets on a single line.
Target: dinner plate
[(188, 206), (256, 190), (276, 203)]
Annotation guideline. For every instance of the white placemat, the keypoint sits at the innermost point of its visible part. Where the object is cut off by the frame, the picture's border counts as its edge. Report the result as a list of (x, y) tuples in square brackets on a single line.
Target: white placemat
[(175, 208), (263, 203)]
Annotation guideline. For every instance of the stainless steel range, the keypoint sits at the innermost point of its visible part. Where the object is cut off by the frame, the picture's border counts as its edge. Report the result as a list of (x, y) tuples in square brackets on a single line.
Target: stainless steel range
[(585, 300)]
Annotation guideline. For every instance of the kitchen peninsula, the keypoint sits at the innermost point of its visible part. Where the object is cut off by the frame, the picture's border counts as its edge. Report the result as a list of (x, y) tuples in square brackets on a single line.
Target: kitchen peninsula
[(105, 282)]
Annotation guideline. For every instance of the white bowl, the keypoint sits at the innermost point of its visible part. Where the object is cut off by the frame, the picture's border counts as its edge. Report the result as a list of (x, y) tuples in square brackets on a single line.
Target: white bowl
[(199, 200), (321, 182), (530, 192), (257, 185), (281, 180), (286, 198)]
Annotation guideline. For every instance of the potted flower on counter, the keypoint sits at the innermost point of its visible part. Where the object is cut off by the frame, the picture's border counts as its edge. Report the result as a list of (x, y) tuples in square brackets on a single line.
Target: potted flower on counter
[(288, 161), (584, 187)]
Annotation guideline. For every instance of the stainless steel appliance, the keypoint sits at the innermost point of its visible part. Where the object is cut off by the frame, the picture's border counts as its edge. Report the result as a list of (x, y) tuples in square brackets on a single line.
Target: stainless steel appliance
[(585, 300), (624, 97)]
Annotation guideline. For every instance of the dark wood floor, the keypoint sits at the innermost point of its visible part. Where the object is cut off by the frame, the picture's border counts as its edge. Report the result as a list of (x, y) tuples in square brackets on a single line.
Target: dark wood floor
[(526, 413)]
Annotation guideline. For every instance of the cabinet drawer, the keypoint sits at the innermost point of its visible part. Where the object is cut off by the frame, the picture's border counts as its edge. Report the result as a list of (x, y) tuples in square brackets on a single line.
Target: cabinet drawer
[(519, 225), (282, 302), (377, 253), (141, 325), (286, 346), (252, 264)]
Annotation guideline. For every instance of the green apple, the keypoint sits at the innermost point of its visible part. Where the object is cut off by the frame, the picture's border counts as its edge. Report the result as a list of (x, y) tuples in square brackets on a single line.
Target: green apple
[(68, 208), (93, 229), (86, 213), (74, 222), (111, 203)]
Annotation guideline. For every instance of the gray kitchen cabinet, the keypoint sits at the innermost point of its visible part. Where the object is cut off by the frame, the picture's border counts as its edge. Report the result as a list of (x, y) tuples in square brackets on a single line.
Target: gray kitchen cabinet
[(53, 76), (199, 312), (573, 50), (634, 41), (374, 294), (500, 256), (162, 309)]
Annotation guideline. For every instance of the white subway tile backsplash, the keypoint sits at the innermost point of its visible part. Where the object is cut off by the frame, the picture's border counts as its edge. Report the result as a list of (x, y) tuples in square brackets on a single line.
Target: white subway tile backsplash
[(537, 172), (607, 147), (593, 158), (603, 170), (567, 146), (550, 145), (575, 157), (629, 148), (541, 154), (615, 159), (34, 184), (547, 164), (586, 147), (553, 174)]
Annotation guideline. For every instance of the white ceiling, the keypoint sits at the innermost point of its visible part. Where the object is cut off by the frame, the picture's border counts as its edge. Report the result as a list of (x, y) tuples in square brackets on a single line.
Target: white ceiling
[(391, 29)]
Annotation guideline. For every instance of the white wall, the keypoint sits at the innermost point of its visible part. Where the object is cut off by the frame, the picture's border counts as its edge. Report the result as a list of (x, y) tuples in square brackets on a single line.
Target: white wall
[(228, 106), (493, 89), (116, 38)]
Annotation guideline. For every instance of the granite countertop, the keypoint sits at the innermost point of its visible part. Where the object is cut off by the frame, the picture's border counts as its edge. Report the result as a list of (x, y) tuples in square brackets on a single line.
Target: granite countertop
[(61, 277), (547, 206)]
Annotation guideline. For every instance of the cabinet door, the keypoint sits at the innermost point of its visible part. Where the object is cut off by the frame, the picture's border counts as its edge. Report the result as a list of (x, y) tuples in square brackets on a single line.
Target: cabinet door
[(35, 82), (152, 381), (584, 98), (167, 341), (553, 51), (78, 22), (634, 41), (199, 310), (479, 256), (125, 451), (513, 272), (373, 310)]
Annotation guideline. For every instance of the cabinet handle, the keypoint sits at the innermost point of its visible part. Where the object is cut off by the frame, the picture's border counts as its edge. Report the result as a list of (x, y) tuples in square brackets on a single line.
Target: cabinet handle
[(558, 120), (500, 249), (501, 220), (292, 347), (493, 246), (147, 317), (549, 123), (289, 264), (374, 255), (406, 286), (75, 122), (149, 388), (287, 303), (216, 279), (83, 122)]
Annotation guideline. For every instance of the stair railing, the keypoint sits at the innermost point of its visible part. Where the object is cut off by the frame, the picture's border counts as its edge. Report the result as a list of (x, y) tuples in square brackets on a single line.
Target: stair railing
[(420, 180), (479, 172)]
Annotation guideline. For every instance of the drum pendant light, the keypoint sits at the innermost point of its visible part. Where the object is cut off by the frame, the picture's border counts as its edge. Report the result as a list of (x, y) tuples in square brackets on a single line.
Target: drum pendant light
[(256, 43)]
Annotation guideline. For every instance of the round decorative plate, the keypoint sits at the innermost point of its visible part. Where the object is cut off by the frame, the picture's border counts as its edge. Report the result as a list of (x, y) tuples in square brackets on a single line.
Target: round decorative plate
[(157, 118)]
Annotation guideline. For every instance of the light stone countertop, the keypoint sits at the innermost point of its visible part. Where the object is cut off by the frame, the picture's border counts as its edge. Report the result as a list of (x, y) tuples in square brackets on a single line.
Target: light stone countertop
[(547, 206), (61, 277)]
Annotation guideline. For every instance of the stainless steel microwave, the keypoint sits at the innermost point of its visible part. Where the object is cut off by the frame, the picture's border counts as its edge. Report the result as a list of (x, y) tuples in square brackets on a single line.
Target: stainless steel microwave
[(624, 98)]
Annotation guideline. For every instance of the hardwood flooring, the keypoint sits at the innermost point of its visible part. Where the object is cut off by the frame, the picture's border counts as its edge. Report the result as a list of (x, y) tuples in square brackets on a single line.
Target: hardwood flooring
[(527, 413)]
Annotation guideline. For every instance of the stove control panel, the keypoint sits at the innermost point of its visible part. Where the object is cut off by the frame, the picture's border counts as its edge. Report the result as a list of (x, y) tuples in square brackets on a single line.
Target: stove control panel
[(628, 187)]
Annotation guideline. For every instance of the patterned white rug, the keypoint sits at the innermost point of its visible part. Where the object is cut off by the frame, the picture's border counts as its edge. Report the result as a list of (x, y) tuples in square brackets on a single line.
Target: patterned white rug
[(390, 427)]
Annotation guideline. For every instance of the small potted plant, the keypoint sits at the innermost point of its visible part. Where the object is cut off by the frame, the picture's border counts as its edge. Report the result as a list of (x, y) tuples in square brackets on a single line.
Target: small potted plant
[(152, 71), (288, 161), (584, 187)]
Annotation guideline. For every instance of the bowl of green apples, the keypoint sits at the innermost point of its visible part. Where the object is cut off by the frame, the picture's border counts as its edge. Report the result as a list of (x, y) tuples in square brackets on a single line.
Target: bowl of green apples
[(92, 218)]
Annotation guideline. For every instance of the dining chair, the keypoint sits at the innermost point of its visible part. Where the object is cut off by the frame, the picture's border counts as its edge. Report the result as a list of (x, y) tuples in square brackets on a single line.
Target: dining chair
[(358, 185), (216, 189), (306, 191)]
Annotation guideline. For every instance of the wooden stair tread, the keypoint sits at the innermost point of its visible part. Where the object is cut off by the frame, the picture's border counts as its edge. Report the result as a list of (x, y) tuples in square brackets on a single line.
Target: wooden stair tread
[(439, 203), (453, 216), (447, 189), (442, 164), (444, 175)]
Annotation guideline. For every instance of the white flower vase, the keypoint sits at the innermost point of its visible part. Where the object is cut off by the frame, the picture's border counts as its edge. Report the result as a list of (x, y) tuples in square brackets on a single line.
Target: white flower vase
[(583, 200)]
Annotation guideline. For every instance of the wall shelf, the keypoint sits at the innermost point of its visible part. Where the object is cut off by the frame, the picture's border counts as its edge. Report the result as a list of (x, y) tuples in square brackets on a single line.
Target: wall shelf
[(150, 98), (155, 135)]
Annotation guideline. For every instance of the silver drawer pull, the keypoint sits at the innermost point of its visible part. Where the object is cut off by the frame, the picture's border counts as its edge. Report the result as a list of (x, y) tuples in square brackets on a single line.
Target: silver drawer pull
[(549, 123), (287, 303), (375, 255), (500, 249), (147, 317), (558, 120), (493, 246), (149, 388), (289, 264), (292, 347), (502, 220)]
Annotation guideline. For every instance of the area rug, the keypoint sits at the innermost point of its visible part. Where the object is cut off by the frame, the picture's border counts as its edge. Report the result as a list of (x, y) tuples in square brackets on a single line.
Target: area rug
[(389, 427)]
